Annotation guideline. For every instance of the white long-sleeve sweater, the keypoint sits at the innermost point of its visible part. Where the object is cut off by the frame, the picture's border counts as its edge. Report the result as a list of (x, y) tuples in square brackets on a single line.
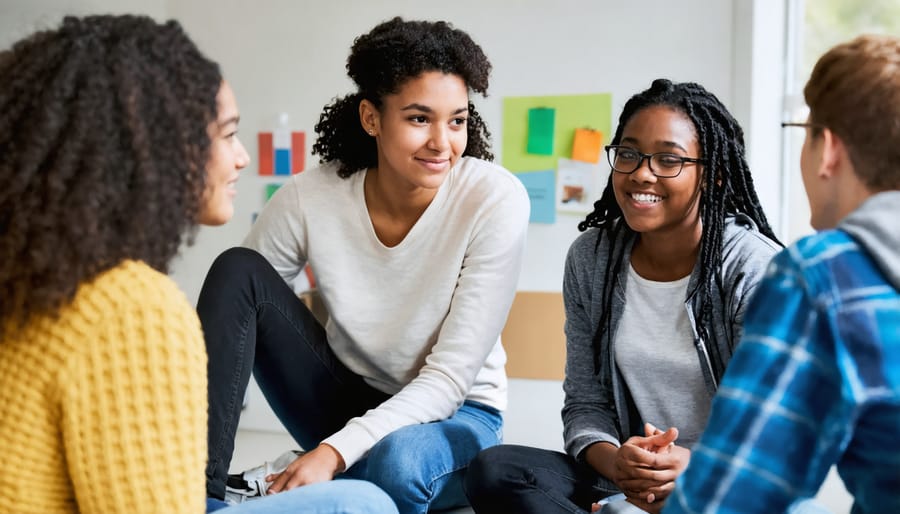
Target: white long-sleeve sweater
[(420, 320)]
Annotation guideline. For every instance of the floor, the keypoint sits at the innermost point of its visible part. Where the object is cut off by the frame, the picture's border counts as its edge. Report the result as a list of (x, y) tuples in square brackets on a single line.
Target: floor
[(252, 447)]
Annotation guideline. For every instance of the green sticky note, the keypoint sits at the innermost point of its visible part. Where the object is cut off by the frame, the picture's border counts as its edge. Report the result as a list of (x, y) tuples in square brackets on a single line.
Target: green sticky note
[(540, 130), (270, 190)]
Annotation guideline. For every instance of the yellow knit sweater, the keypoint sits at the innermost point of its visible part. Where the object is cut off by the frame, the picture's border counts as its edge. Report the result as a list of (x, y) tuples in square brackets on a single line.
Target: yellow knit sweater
[(103, 410)]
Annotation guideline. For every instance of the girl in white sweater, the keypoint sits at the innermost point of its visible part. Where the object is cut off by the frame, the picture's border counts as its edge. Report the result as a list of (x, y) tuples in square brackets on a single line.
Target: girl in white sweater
[(416, 243)]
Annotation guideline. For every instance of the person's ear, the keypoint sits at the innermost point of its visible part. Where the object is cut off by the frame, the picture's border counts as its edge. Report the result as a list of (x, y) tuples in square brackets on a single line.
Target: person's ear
[(369, 117), (834, 154)]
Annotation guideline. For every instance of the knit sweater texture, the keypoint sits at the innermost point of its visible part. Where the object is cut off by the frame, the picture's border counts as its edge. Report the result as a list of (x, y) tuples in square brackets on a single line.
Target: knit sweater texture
[(104, 404)]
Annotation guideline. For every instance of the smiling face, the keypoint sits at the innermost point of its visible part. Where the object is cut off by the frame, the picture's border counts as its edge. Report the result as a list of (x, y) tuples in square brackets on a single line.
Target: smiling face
[(420, 130), (227, 157), (656, 205)]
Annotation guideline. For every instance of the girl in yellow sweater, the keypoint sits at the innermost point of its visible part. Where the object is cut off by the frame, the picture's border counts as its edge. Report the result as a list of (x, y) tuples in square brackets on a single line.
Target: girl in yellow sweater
[(117, 136)]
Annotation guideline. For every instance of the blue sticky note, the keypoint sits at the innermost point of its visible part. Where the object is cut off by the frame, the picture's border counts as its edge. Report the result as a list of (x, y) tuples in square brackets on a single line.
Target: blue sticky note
[(541, 187), (282, 161)]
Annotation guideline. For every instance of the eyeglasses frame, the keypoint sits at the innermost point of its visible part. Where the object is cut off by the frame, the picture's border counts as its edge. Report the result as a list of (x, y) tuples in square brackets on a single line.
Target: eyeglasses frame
[(649, 158), (804, 124)]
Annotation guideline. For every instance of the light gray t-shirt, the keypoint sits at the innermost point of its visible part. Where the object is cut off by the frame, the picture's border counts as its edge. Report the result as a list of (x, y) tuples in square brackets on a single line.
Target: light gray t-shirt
[(655, 353)]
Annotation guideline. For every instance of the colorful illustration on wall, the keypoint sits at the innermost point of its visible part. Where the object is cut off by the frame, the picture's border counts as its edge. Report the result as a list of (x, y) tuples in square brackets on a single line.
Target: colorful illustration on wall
[(282, 151), (554, 145), (578, 185), (539, 185), (569, 114)]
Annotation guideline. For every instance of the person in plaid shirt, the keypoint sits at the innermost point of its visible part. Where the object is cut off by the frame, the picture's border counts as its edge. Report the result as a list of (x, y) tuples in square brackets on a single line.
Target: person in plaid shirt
[(816, 379)]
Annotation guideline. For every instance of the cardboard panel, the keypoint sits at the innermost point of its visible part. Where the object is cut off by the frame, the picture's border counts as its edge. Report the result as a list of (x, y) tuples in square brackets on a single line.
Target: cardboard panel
[(533, 336)]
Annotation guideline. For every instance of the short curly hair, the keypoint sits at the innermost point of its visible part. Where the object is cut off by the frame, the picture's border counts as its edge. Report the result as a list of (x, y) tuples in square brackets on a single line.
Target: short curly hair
[(380, 63), (103, 150)]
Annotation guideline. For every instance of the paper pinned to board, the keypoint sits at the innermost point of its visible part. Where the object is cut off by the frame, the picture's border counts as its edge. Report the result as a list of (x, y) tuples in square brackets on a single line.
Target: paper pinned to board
[(540, 130), (587, 145)]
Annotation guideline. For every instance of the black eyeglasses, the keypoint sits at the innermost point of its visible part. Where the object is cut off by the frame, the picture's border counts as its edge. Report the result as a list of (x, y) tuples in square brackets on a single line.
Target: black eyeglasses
[(804, 124), (626, 160)]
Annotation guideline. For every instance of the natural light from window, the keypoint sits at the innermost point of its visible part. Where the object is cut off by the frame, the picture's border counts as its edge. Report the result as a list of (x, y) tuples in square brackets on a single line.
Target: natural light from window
[(814, 26)]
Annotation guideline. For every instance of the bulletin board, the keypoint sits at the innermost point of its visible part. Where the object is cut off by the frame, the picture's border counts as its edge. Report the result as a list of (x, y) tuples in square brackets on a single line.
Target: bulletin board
[(571, 112), (534, 336), (554, 145)]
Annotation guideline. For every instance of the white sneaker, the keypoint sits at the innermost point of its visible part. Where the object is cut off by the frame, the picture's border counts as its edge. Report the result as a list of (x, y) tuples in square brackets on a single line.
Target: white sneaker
[(251, 484)]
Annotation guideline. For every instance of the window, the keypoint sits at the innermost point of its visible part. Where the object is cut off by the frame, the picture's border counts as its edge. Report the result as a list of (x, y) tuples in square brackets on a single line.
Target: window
[(814, 26)]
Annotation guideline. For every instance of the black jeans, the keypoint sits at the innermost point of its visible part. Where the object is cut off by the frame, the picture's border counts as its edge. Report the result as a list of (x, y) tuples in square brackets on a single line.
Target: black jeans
[(519, 479), (253, 321)]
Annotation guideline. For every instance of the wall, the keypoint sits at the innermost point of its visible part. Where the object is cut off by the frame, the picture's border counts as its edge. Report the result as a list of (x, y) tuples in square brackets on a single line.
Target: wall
[(289, 56), (283, 55), (18, 18)]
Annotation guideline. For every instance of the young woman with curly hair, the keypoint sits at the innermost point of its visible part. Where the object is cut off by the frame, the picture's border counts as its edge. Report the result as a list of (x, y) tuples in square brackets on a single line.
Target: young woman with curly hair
[(117, 136), (416, 242), (655, 292)]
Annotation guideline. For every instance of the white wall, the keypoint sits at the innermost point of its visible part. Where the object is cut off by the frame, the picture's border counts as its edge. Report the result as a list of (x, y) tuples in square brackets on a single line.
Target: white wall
[(18, 18), (283, 55), (289, 56), (758, 84), (286, 55)]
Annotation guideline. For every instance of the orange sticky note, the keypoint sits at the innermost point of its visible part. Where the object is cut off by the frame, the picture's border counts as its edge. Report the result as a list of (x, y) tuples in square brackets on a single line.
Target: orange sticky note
[(587, 145)]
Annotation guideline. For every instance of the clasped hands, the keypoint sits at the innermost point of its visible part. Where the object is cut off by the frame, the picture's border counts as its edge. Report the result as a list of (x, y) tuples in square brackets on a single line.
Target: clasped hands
[(645, 468)]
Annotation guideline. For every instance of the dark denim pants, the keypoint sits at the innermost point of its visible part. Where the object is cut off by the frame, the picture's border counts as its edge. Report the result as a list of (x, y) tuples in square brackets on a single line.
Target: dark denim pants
[(511, 478), (253, 321)]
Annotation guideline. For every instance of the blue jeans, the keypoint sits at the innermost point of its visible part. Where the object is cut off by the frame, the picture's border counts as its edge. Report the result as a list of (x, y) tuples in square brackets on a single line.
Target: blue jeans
[(423, 466), (335, 497), (253, 321)]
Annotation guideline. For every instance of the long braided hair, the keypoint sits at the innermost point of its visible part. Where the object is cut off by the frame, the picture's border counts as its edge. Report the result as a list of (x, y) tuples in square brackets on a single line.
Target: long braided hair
[(727, 190)]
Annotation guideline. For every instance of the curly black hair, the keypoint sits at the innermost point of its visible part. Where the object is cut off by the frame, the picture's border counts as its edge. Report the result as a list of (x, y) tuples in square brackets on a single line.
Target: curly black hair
[(728, 190), (380, 63), (103, 149)]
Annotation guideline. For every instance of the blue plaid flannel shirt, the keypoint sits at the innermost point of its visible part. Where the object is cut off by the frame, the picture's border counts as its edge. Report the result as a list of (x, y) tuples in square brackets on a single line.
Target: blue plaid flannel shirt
[(814, 382)]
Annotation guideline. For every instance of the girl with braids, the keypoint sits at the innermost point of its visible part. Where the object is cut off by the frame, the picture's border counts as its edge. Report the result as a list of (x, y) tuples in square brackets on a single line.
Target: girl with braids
[(416, 241), (117, 136), (655, 291)]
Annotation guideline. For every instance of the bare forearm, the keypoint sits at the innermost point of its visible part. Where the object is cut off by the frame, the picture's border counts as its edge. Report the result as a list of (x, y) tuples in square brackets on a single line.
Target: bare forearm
[(602, 458)]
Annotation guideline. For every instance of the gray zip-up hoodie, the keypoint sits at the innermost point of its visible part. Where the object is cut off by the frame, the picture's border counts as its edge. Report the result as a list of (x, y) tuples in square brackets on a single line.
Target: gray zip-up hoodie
[(873, 225), (600, 408)]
